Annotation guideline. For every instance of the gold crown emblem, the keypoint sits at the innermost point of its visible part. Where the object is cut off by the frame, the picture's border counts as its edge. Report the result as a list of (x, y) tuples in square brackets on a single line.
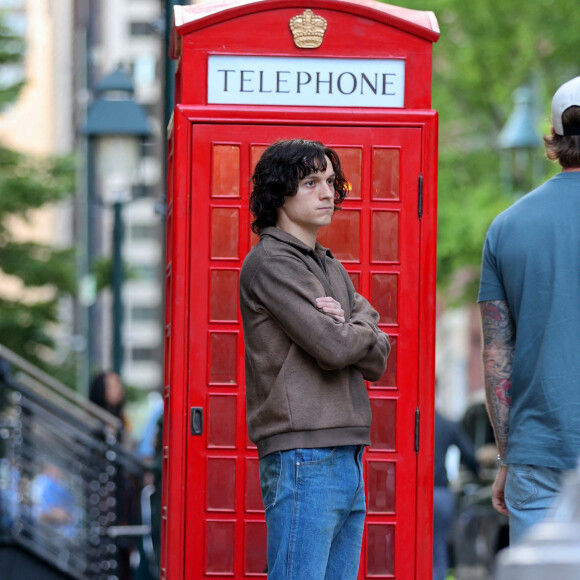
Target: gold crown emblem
[(308, 29)]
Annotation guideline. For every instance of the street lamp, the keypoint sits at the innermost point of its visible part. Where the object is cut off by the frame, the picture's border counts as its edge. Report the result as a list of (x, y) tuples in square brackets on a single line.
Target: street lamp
[(116, 128), (520, 141)]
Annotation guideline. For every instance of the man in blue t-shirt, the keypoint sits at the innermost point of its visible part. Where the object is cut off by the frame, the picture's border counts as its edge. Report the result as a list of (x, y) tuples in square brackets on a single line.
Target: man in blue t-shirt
[(530, 308)]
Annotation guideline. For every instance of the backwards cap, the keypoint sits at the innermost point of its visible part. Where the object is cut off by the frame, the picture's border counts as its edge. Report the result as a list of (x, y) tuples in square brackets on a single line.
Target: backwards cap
[(568, 95)]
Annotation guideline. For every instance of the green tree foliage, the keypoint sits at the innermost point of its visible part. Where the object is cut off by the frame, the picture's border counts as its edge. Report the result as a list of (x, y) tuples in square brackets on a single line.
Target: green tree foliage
[(28, 184), (486, 51), (11, 49)]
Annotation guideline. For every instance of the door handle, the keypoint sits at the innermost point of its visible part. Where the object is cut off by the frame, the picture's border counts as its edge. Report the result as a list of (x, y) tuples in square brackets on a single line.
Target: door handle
[(196, 420)]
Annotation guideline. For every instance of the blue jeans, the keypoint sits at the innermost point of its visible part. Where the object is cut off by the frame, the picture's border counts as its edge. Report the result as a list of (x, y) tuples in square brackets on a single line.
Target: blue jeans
[(443, 512), (315, 512), (530, 491)]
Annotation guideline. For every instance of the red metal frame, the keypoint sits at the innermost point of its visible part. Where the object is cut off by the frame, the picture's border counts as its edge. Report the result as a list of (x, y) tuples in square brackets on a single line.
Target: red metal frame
[(225, 32)]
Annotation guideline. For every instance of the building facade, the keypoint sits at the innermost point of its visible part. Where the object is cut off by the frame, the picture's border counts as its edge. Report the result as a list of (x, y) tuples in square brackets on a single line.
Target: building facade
[(70, 46)]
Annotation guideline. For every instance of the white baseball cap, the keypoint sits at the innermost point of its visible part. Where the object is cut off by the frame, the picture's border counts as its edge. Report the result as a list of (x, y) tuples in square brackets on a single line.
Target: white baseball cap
[(568, 95)]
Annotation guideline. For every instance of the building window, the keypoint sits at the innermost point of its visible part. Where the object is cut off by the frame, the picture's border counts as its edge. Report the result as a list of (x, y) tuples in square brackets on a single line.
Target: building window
[(145, 70), (143, 273), (144, 354), (143, 232), (144, 314), (141, 29)]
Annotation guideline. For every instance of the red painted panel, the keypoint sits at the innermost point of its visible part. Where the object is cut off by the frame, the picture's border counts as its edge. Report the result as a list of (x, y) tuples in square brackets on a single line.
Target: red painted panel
[(225, 232), (380, 551), (223, 358), (386, 167), (212, 152), (351, 162), (221, 421), (221, 484), (220, 543), (389, 379), (215, 323), (383, 428), (223, 298), (253, 492), (381, 486), (384, 296), (255, 561), (343, 236), (225, 171), (385, 236)]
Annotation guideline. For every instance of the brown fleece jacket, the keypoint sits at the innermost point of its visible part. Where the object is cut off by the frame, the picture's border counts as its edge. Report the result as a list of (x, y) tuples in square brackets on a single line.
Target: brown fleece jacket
[(305, 370)]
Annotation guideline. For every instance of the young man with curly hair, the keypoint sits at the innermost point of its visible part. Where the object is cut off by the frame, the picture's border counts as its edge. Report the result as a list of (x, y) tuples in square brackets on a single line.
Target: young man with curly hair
[(311, 341), (530, 307)]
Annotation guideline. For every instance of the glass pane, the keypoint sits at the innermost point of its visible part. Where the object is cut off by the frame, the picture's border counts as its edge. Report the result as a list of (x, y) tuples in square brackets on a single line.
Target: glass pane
[(342, 236), (253, 491), (226, 171), (224, 295), (221, 419), (386, 174), (355, 279), (219, 556), (389, 379), (255, 154), (256, 560), (225, 230), (381, 487), (383, 426), (249, 444), (380, 550), (223, 357), (384, 296), (255, 239), (221, 484), (385, 236), (351, 163)]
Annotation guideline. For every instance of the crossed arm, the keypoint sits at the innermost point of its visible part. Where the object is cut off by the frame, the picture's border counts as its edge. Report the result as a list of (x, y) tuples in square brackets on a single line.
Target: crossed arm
[(373, 364), (498, 355)]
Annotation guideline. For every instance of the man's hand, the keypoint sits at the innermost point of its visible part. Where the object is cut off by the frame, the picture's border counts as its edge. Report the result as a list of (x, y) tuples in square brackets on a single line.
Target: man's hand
[(330, 306), (497, 492)]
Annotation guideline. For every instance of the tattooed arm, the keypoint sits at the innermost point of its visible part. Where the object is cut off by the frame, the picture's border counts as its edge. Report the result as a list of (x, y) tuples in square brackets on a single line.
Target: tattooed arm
[(498, 356)]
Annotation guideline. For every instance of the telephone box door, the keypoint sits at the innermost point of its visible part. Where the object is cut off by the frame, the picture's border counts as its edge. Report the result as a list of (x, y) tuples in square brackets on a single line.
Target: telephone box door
[(377, 237)]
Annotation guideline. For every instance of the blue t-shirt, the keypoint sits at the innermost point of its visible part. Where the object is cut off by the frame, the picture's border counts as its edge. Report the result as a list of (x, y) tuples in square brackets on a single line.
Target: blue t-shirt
[(531, 259)]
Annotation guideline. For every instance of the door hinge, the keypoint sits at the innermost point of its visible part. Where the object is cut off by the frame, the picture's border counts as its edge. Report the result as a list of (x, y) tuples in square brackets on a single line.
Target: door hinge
[(420, 199), (417, 417)]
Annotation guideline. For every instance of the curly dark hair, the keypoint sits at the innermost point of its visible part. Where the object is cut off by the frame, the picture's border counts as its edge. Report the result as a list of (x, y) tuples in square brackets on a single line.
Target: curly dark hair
[(565, 149), (279, 171)]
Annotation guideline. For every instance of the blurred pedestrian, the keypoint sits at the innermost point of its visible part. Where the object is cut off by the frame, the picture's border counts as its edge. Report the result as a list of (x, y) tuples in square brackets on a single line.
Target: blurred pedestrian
[(107, 391), (54, 502), (447, 434), (146, 446), (530, 307)]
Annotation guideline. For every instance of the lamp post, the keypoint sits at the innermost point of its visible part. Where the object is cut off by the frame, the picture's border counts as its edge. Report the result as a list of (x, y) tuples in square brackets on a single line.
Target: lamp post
[(116, 128), (520, 141)]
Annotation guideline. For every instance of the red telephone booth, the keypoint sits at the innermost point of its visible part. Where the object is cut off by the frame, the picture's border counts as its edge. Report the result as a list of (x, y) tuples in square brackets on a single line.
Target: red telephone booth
[(355, 75)]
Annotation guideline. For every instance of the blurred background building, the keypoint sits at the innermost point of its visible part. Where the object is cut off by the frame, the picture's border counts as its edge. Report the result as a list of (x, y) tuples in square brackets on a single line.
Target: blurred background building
[(70, 45), (129, 35), (40, 122)]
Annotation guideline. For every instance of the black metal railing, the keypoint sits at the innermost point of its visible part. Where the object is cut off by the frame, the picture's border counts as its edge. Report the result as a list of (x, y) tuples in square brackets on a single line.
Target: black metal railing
[(66, 482)]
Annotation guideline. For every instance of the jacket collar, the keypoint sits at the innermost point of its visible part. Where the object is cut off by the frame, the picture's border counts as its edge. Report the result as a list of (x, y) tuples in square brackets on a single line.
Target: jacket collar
[(287, 238)]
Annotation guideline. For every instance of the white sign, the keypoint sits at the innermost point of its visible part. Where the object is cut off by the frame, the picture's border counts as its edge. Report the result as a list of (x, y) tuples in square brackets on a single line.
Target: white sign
[(324, 82)]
